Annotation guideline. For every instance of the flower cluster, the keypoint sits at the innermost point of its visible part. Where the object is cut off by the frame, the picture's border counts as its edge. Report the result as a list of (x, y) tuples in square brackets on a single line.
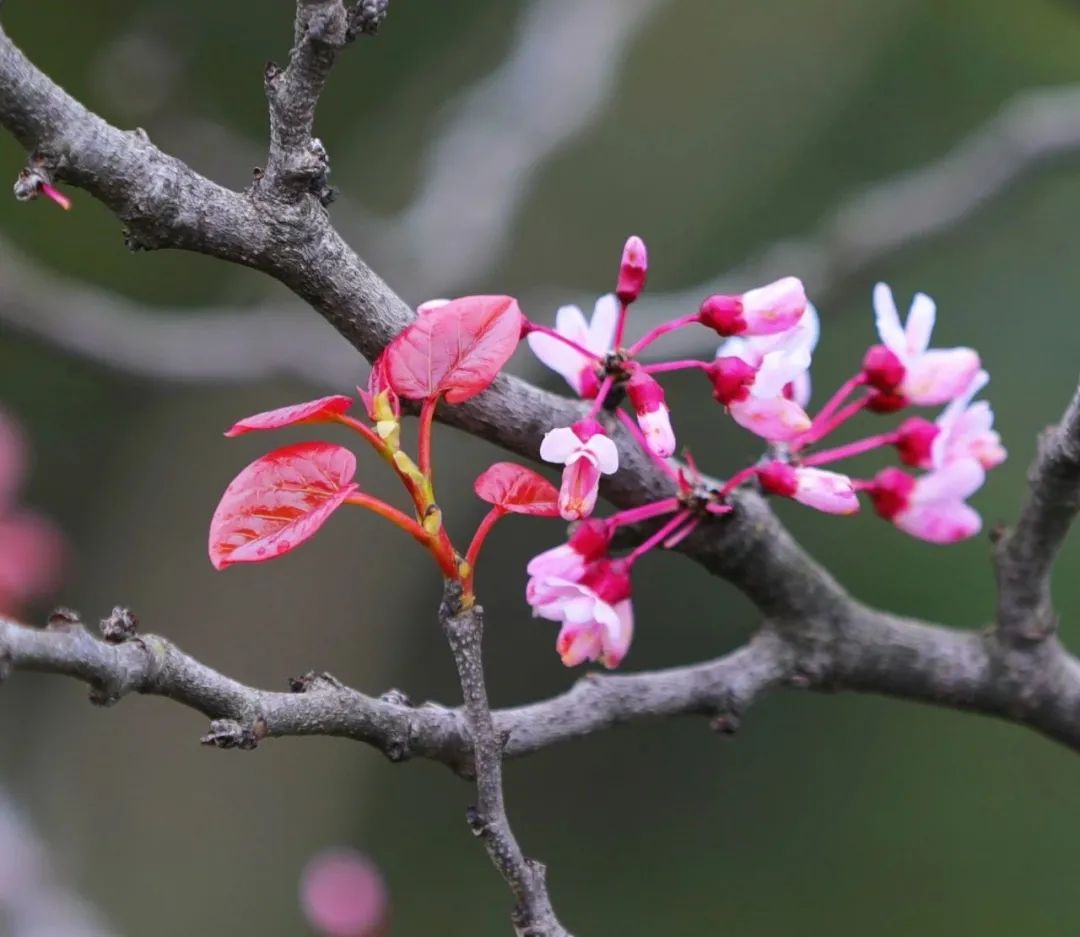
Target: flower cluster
[(759, 375)]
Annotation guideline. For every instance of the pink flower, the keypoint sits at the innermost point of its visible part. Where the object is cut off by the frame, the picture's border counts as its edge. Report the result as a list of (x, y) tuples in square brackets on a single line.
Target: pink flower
[(597, 336), (904, 365), (587, 453), (753, 348), (588, 543), (966, 430), (825, 491), (595, 610), (633, 269), (758, 394), (653, 416), (931, 507), (768, 310)]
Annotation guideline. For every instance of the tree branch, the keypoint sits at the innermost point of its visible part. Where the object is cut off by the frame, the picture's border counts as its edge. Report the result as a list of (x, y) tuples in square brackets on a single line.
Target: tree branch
[(533, 915), (1025, 555), (166, 204)]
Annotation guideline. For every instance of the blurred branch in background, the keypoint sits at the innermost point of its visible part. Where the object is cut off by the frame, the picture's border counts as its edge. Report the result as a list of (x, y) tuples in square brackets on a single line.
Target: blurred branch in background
[(558, 77), (228, 346), (33, 902)]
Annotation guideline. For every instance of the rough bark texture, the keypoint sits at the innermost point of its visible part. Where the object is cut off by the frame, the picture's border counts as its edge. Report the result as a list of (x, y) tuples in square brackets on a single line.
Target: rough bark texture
[(813, 634)]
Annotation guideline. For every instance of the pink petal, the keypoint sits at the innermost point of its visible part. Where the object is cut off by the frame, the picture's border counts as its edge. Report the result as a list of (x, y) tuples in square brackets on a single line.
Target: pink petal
[(938, 376), (955, 481), (777, 420), (578, 643), (940, 522), (825, 491), (562, 562), (605, 317), (888, 321), (778, 369), (559, 444), (580, 485), (920, 324), (617, 634), (774, 308), (605, 453), (656, 428)]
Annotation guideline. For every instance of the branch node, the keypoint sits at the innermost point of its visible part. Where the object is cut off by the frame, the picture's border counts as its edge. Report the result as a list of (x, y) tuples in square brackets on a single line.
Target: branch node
[(315, 681), (228, 733), (121, 625), (63, 618), (367, 16), (396, 697)]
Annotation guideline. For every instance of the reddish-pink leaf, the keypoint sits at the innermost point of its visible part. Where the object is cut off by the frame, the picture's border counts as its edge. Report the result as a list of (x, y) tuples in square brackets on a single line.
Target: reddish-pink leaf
[(455, 349), (518, 490), (279, 501), (313, 411)]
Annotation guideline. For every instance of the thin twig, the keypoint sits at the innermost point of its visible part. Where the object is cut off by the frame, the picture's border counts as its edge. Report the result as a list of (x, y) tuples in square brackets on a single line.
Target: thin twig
[(533, 915)]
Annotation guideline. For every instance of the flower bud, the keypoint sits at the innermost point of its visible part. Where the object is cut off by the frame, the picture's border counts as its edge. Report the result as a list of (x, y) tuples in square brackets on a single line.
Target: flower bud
[(883, 370), (915, 437), (731, 379), (632, 270)]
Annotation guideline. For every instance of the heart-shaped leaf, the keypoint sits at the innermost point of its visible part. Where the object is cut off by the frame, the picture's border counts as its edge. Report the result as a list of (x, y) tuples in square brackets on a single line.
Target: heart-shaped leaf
[(279, 501), (313, 411), (456, 349), (517, 490)]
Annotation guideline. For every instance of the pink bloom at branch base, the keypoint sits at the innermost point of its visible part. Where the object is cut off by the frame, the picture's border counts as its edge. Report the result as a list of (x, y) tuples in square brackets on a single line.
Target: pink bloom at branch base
[(587, 453), (594, 607)]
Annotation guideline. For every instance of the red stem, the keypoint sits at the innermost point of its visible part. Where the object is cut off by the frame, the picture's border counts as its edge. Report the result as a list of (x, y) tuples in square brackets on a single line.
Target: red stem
[(737, 479), (644, 513), (369, 435), (852, 449), (662, 534), (433, 545), (558, 336), (601, 396), (837, 420), (845, 390), (661, 330), (482, 531), (679, 365)]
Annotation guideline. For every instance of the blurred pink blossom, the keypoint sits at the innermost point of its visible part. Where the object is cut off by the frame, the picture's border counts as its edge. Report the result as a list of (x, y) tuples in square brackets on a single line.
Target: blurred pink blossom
[(343, 894), (31, 547)]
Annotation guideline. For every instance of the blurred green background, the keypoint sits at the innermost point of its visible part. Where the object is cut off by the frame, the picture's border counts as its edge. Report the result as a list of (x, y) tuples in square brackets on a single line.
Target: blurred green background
[(717, 128)]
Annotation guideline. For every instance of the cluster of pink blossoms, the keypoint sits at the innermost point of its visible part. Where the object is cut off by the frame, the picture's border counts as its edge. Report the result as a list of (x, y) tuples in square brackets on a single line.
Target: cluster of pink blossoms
[(760, 375), (455, 349)]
